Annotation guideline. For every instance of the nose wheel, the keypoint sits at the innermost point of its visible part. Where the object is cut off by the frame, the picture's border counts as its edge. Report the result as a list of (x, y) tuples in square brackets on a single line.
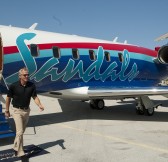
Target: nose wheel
[(97, 104)]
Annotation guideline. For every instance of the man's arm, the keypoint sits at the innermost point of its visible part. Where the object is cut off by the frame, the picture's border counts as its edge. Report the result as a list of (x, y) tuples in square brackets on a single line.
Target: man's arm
[(38, 103), (7, 112)]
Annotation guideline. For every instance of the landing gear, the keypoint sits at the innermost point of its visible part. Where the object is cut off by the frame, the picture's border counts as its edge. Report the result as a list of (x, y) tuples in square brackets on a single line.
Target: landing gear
[(97, 104), (149, 111), (143, 111), (145, 106), (139, 109)]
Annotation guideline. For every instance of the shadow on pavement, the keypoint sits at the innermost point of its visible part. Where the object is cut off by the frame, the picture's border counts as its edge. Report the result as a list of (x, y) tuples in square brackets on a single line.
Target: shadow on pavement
[(31, 150), (74, 110)]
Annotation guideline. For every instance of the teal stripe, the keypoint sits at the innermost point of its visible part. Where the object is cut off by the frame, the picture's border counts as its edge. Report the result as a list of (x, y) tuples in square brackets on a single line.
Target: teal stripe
[(68, 52), (12, 58)]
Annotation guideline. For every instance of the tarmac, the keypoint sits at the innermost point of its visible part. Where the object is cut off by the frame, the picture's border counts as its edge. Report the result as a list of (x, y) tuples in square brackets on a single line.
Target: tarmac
[(70, 131)]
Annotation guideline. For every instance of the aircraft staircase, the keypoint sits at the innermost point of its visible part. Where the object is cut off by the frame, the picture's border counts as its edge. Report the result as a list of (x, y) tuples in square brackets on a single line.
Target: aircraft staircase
[(5, 129)]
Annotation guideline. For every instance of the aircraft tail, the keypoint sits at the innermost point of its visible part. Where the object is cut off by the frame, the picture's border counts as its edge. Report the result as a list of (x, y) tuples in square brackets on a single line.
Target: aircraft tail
[(162, 37)]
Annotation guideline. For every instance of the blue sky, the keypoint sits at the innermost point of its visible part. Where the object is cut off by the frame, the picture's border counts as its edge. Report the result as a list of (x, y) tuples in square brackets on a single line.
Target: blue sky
[(137, 21)]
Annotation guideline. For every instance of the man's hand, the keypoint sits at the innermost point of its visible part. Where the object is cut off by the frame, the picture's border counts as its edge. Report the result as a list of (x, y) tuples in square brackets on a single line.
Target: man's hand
[(41, 108), (7, 114), (37, 101)]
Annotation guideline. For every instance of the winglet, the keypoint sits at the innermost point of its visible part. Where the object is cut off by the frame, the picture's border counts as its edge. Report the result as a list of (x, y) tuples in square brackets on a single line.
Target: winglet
[(33, 26), (165, 36)]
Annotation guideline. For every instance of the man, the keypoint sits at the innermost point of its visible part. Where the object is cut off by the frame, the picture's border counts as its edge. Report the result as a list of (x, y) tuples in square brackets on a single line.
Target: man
[(21, 93)]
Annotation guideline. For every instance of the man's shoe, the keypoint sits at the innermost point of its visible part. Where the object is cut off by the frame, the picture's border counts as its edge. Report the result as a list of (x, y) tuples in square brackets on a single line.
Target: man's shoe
[(24, 158), (15, 152)]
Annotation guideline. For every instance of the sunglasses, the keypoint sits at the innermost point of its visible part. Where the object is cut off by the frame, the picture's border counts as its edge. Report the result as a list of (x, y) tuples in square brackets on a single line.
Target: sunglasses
[(25, 75)]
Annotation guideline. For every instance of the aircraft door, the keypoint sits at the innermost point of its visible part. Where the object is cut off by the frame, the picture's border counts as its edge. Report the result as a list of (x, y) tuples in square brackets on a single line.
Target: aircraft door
[(1, 57)]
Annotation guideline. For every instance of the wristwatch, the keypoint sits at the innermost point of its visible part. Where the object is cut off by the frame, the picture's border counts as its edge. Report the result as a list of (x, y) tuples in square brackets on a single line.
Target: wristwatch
[(6, 111)]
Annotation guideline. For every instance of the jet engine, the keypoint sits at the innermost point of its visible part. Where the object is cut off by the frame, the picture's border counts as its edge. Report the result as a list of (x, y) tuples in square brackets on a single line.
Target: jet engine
[(163, 54)]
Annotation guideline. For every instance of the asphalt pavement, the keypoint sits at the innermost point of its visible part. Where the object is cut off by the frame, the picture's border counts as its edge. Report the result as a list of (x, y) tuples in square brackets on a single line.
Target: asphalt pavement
[(71, 131)]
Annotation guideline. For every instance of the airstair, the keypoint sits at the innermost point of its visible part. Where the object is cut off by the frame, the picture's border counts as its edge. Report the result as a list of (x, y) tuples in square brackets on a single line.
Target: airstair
[(5, 130), (1, 57)]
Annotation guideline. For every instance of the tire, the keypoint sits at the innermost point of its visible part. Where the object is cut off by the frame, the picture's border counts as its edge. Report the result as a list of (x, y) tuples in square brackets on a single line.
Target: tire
[(139, 112), (92, 105), (149, 111), (100, 104), (97, 104)]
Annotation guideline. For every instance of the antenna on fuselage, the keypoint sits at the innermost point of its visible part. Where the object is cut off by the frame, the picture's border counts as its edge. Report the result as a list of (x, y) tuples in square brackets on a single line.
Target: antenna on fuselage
[(125, 42), (33, 27), (115, 39)]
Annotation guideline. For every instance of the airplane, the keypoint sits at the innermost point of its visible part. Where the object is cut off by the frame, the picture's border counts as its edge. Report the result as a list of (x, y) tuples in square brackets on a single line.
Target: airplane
[(85, 69)]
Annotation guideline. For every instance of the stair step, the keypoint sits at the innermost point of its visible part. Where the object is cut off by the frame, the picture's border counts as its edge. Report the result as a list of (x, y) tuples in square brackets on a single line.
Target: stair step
[(5, 135), (2, 117), (0, 108), (3, 122), (8, 131), (4, 126)]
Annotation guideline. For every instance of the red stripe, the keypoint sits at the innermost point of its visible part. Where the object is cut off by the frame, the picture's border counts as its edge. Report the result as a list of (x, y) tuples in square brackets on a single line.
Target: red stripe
[(10, 50), (118, 47)]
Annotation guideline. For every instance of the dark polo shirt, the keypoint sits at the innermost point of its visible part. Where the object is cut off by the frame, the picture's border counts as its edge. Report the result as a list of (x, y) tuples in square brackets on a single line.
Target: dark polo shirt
[(21, 95)]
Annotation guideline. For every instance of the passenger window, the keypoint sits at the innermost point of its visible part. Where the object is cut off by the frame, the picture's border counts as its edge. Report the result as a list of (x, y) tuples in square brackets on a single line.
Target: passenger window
[(34, 50), (120, 57), (75, 53), (107, 56), (56, 52), (92, 55)]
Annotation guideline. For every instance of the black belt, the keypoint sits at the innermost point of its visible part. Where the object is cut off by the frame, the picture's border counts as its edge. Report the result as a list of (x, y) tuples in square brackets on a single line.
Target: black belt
[(19, 107)]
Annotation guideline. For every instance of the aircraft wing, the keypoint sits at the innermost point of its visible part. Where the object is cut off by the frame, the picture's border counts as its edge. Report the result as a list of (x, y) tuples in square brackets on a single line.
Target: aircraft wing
[(124, 92), (89, 93)]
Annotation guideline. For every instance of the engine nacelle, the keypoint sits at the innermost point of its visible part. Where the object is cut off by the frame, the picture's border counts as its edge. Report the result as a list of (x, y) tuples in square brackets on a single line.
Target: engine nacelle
[(163, 54)]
